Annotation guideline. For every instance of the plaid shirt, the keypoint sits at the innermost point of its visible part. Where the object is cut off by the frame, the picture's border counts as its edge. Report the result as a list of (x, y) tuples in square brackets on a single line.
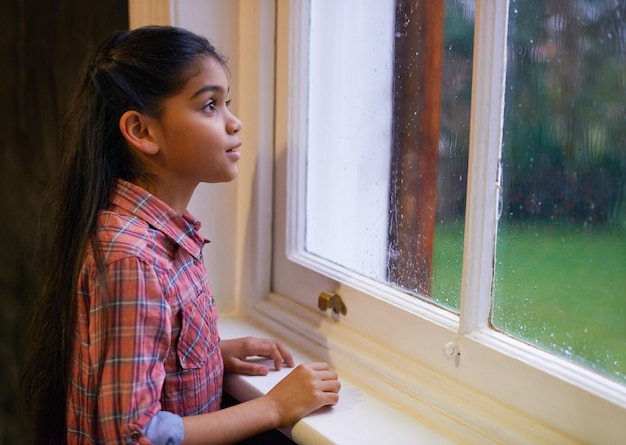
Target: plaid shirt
[(147, 336)]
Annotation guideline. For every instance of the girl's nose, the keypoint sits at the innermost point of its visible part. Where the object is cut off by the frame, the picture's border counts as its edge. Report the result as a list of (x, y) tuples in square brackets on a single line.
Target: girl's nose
[(234, 125)]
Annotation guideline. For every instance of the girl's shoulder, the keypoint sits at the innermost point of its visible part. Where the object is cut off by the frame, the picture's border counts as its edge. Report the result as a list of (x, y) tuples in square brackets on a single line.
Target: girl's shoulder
[(121, 235)]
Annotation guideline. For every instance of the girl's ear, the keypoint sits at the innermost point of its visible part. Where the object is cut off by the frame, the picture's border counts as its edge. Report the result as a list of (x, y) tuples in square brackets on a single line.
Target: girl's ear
[(137, 129)]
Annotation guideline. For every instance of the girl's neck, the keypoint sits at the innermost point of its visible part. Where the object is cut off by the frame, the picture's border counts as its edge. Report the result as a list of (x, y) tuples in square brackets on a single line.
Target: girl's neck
[(175, 197)]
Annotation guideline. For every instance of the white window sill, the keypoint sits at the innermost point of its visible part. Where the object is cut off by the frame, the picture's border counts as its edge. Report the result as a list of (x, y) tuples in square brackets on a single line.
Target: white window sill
[(357, 418)]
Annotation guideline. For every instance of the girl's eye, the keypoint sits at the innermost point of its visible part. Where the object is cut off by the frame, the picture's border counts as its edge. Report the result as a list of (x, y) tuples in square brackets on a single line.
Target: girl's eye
[(210, 106), (228, 103)]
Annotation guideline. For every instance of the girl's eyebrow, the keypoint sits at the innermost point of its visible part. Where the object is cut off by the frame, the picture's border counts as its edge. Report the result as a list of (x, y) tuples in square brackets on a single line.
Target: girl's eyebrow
[(211, 88)]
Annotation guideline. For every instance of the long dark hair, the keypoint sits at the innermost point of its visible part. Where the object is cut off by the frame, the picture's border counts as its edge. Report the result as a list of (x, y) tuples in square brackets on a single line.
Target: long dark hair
[(132, 70)]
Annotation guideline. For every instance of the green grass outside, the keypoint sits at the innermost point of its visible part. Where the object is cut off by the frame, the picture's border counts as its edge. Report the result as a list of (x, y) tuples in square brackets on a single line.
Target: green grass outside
[(563, 289)]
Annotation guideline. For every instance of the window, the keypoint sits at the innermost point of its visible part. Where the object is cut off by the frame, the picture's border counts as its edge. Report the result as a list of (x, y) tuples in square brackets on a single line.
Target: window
[(527, 166), (561, 251), (377, 167)]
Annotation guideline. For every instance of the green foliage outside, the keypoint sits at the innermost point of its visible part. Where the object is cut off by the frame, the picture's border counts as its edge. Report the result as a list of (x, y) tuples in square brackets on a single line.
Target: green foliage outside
[(565, 290), (560, 272), (562, 289)]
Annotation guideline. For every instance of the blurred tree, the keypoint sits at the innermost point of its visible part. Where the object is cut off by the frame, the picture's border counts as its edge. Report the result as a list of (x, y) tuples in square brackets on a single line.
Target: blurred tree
[(565, 139)]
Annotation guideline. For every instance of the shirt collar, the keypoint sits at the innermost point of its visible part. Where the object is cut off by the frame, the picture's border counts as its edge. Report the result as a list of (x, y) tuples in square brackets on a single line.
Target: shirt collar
[(183, 230)]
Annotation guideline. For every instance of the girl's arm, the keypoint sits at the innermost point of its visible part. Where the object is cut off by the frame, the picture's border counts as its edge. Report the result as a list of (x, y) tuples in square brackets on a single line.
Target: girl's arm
[(307, 388)]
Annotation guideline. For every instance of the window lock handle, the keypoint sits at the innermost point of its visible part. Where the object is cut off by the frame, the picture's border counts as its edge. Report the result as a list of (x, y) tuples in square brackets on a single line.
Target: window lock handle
[(331, 300)]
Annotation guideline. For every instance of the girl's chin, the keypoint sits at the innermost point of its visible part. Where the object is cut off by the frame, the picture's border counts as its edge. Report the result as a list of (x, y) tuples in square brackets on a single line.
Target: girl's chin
[(226, 177)]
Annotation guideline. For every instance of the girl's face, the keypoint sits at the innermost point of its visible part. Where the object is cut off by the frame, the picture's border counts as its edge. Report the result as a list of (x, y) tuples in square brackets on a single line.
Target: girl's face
[(196, 132)]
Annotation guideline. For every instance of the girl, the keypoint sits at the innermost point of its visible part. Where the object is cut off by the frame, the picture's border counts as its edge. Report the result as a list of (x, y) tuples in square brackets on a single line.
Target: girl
[(125, 343)]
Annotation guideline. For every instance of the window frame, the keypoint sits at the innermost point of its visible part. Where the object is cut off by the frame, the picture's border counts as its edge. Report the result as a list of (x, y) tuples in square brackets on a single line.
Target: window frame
[(487, 386)]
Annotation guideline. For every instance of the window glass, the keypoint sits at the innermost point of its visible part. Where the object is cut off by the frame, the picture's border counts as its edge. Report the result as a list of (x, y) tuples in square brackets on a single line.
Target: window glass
[(388, 132), (561, 251), (453, 151)]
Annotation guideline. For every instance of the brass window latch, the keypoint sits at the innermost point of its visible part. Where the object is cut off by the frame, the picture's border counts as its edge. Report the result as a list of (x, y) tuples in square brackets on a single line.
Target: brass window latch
[(331, 300)]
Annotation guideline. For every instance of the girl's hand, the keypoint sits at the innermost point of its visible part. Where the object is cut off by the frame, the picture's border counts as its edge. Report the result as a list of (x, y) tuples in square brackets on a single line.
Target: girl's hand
[(306, 389), (236, 351)]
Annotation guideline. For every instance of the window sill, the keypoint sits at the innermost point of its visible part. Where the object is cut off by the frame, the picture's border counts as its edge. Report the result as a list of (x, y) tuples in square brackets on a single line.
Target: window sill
[(358, 417), (387, 395)]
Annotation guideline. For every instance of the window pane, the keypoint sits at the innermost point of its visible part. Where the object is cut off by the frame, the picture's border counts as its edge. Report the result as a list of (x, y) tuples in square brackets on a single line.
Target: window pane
[(561, 254), (453, 151), (368, 169)]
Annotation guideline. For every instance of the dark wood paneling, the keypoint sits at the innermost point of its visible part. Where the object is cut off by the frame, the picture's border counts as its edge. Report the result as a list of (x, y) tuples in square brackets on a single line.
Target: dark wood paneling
[(44, 45)]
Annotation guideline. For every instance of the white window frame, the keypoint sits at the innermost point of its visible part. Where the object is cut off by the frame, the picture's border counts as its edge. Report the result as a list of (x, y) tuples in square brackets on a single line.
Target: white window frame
[(499, 389)]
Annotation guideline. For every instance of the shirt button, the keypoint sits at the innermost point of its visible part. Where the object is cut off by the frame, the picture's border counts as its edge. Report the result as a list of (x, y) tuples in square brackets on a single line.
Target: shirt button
[(135, 436)]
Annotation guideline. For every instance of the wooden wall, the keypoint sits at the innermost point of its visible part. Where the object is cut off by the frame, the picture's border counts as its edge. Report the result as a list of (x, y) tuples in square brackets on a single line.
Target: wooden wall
[(44, 45)]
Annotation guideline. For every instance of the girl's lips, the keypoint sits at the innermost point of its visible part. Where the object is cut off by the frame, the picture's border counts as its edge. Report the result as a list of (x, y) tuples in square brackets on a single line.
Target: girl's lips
[(234, 148), (234, 153)]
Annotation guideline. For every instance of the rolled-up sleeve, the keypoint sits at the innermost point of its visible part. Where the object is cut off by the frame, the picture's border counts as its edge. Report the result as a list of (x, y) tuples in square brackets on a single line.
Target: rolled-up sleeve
[(165, 429), (137, 340), (129, 333)]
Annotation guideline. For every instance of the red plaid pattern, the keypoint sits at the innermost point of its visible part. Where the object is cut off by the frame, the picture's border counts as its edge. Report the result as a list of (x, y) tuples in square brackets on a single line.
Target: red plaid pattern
[(147, 335)]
